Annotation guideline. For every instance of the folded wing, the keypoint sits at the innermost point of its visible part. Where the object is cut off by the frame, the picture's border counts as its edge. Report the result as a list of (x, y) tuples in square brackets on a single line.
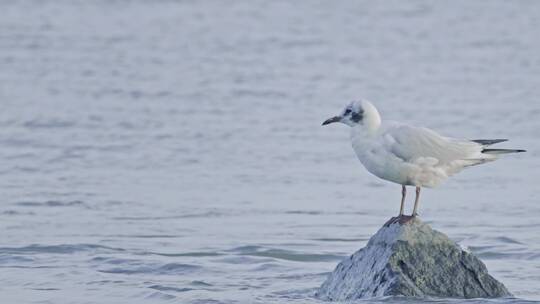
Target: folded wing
[(413, 144)]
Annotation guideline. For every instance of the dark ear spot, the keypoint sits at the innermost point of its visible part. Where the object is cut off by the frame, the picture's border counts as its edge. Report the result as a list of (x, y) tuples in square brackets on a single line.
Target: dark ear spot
[(357, 116)]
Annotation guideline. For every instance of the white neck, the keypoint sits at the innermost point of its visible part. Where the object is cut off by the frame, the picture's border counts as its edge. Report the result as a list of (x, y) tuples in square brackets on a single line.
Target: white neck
[(372, 119)]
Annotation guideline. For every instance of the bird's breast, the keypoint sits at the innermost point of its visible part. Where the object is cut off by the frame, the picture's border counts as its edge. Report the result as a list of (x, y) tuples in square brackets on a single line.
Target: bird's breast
[(380, 163)]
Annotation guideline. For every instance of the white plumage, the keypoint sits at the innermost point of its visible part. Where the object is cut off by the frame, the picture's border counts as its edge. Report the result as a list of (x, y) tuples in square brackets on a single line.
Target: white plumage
[(414, 156), (408, 155)]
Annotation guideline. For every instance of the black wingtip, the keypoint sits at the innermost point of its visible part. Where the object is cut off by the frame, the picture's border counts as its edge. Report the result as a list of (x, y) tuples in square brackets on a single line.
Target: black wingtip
[(502, 151)]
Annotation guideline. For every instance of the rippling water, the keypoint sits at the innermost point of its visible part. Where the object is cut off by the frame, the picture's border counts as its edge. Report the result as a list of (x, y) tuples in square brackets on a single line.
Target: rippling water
[(171, 151)]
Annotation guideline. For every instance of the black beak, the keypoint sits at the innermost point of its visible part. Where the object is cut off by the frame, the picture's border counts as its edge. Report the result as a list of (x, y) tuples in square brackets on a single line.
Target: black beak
[(331, 120)]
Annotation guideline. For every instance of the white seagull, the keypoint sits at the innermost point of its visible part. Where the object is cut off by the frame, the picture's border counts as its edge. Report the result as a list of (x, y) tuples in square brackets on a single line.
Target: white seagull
[(408, 155)]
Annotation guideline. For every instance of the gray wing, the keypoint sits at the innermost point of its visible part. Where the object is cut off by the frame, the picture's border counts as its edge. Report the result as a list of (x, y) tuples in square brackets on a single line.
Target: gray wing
[(413, 143)]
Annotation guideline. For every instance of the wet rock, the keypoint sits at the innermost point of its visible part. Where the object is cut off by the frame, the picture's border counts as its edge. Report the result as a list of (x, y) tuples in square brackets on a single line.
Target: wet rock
[(407, 257)]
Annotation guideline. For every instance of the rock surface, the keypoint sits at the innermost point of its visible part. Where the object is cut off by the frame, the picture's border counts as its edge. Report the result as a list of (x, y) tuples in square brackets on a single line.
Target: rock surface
[(407, 257)]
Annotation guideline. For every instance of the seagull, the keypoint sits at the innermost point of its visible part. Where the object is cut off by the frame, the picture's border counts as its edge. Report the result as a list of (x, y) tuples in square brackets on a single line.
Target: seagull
[(409, 155)]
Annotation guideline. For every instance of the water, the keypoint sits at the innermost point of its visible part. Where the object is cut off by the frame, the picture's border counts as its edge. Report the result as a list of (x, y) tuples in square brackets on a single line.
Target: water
[(171, 151)]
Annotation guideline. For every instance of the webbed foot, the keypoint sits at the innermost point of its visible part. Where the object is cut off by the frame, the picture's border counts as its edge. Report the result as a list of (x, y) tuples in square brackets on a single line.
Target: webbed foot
[(401, 219)]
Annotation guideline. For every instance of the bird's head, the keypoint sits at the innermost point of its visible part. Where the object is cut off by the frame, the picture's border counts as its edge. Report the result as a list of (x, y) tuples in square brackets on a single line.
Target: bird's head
[(357, 113)]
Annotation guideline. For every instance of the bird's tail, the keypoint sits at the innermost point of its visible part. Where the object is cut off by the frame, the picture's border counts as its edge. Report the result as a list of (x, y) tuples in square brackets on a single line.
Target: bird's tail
[(488, 142), (502, 151)]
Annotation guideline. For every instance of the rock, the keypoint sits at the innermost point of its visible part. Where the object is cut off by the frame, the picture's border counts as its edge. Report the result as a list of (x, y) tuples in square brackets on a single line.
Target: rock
[(407, 257)]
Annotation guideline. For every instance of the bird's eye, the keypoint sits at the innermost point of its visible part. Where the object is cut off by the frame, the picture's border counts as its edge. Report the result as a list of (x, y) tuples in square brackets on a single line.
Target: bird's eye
[(347, 111)]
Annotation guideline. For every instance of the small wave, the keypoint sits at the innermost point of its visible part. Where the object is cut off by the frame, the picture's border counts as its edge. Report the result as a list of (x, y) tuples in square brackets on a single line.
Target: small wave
[(170, 217), (160, 296), (341, 239), (497, 255), (58, 249), (508, 240), (114, 261), (303, 276), (13, 212), (169, 288), (51, 204), (286, 254), (295, 294), (308, 212), (200, 283), (258, 93), (269, 266), (104, 282), (375, 185), (7, 258), (152, 236), (243, 260), (186, 254), (29, 267), (477, 249), (207, 301), (167, 269), (48, 124), (245, 249)]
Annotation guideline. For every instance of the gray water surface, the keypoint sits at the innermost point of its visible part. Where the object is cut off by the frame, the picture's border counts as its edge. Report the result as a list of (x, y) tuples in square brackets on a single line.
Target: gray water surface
[(171, 151)]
